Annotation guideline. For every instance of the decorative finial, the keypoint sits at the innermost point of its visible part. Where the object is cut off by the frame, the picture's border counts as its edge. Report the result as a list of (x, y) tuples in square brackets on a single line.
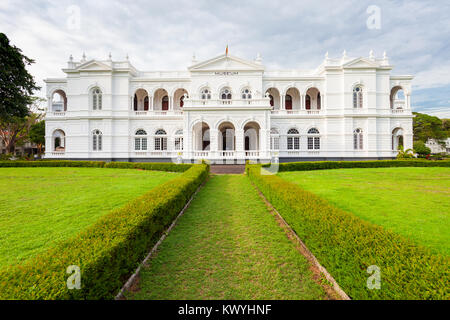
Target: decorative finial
[(127, 57), (371, 54), (71, 58), (84, 56), (110, 56), (258, 58), (194, 59), (344, 54), (384, 55)]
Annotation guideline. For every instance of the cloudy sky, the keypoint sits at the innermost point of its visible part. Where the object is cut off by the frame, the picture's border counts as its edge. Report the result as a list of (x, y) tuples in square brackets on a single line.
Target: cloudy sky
[(163, 35)]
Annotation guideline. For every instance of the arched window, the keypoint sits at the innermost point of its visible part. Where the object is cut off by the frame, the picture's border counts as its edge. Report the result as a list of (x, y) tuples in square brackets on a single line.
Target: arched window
[(205, 94), (96, 99), (293, 139), (140, 141), (179, 140), (225, 94), (358, 139), (246, 94), (319, 101), (308, 102), (357, 97), (313, 139), (165, 103), (274, 139), (135, 102), (397, 138), (288, 102), (97, 140), (160, 140), (59, 140), (59, 101)]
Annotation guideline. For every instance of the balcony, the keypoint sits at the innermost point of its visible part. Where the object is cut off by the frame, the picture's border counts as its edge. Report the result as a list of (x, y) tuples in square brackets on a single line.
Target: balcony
[(192, 103), (297, 112)]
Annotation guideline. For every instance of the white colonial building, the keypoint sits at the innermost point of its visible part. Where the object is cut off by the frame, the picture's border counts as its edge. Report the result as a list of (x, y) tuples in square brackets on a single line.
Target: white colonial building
[(229, 110)]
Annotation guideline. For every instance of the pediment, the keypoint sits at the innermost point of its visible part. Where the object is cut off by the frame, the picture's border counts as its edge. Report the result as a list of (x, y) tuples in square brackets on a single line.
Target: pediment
[(360, 63), (94, 66), (226, 63)]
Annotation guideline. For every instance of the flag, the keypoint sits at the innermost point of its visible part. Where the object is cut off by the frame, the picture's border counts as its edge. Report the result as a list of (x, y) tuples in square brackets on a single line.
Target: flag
[(226, 51)]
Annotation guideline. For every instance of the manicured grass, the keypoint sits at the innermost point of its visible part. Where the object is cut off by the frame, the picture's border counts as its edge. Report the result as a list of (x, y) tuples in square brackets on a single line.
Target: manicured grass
[(413, 202), (41, 206), (227, 246)]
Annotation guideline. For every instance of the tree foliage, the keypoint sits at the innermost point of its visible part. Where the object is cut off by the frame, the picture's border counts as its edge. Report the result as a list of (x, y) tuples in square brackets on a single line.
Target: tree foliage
[(37, 134), (16, 84), (421, 149), (429, 127)]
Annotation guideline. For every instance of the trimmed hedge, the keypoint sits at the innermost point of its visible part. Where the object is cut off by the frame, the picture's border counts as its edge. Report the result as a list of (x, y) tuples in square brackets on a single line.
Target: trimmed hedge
[(322, 165), (52, 163), (172, 167), (106, 252), (347, 245)]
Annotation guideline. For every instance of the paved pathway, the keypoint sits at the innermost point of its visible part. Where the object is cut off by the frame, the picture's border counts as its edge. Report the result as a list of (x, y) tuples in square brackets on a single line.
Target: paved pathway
[(227, 169)]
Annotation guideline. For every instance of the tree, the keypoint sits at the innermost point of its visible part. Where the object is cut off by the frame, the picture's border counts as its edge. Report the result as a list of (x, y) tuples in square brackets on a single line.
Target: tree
[(16, 84), (421, 149), (15, 130), (37, 135), (404, 154), (428, 127)]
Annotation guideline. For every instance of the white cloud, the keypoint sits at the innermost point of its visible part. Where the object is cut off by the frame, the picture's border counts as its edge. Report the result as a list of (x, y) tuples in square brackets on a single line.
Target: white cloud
[(164, 34)]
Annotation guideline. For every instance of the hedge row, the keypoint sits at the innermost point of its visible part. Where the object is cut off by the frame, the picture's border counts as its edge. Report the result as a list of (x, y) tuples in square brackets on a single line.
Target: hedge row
[(172, 167), (320, 165), (346, 245), (108, 251)]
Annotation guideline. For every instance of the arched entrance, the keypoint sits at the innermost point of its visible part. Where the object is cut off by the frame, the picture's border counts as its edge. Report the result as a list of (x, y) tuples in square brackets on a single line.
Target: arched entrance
[(251, 136), (397, 138), (201, 137), (227, 138)]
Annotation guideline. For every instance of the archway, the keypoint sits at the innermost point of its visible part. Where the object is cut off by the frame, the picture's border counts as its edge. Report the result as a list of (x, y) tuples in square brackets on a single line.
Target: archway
[(59, 140), (312, 99), (397, 98), (178, 98), (140, 101), (227, 138), (397, 138), (59, 101), (201, 137), (161, 100), (251, 136), (274, 96)]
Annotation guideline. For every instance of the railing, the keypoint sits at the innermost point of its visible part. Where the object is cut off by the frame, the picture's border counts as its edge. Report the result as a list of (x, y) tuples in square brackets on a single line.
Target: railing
[(264, 102), (297, 111), (58, 153), (158, 113), (397, 111), (58, 113), (251, 154), (201, 154), (226, 153)]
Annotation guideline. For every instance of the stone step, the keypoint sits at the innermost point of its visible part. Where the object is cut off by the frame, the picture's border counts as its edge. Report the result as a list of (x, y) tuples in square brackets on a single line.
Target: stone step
[(227, 169)]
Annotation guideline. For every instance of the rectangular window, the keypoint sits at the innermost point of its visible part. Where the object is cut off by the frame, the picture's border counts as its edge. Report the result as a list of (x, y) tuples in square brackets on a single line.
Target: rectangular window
[(316, 143), (137, 144), (99, 102), (157, 143), (290, 144), (164, 144), (310, 143), (274, 143), (360, 141), (296, 143), (99, 143), (94, 147), (144, 144), (178, 143)]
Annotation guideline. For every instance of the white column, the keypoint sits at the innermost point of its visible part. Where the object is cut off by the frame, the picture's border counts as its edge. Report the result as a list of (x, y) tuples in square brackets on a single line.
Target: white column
[(282, 105), (150, 102)]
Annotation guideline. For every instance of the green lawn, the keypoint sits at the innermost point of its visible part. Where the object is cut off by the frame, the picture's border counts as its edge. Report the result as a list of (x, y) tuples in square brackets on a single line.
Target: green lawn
[(413, 202), (227, 246), (40, 206)]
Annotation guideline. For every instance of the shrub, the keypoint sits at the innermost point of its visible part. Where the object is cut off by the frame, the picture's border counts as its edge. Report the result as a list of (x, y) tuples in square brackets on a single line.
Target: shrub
[(421, 149), (347, 245), (322, 165), (106, 252)]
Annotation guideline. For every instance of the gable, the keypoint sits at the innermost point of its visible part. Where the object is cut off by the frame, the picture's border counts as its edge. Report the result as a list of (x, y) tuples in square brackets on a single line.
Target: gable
[(94, 66), (226, 63), (360, 63)]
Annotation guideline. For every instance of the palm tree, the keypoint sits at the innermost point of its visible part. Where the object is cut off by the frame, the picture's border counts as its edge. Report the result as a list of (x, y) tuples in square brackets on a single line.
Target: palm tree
[(404, 154)]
